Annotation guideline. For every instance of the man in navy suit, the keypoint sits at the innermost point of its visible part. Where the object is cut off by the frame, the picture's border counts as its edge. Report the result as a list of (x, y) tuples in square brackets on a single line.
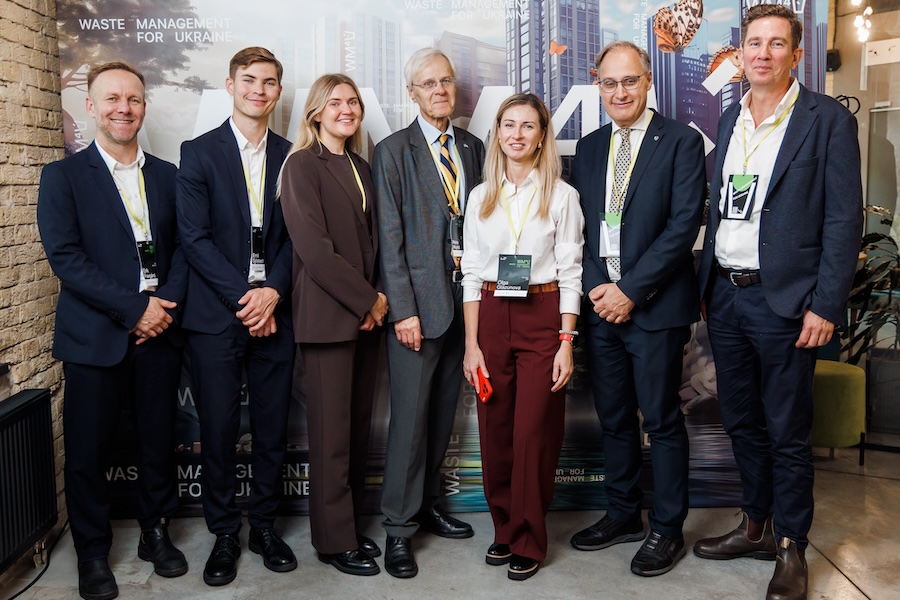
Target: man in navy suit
[(642, 183), (236, 311), (778, 260), (107, 222)]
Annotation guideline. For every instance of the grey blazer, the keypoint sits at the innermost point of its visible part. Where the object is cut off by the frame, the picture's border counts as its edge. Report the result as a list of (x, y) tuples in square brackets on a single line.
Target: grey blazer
[(413, 225)]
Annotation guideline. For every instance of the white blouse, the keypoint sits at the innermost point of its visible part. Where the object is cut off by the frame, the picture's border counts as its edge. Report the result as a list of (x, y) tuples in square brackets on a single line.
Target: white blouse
[(555, 243)]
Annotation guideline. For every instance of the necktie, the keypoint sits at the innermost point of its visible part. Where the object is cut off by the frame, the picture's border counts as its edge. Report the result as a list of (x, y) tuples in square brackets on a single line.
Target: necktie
[(448, 169), (620, 181)]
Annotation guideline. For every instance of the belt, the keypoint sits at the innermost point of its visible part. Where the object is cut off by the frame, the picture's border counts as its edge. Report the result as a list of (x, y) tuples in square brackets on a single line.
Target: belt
[(490, 286), (739, 277)]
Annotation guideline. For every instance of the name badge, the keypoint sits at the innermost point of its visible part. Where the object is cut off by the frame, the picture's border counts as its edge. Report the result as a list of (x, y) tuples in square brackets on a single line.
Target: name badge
[(739, 197), (610, 235), (257, 254), (513, 275), (456, 236), (147, 255)]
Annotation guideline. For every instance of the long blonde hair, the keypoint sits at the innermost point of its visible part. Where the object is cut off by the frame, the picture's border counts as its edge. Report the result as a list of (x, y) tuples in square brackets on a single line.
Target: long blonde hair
[(546, 162)]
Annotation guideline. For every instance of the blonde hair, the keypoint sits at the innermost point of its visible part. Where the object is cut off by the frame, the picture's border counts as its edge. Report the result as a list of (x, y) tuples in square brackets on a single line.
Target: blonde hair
[(546, 161), (319, 93)]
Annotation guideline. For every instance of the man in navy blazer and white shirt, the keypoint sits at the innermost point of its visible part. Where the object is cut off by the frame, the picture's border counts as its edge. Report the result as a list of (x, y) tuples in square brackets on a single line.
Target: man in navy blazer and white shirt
[(642, 205), (107, 222), (235, 241), (778, 261)]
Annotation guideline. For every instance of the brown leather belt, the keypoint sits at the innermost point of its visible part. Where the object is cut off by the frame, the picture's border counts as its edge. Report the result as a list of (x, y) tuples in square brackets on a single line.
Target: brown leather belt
[(553, 286), (739, 277)]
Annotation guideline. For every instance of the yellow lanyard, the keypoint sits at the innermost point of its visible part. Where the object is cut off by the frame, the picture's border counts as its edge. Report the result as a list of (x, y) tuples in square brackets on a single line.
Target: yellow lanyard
[(452, 192), (769, 132), (142, 219), (618, 196), (359, 183), (254, 195), (512, 228)]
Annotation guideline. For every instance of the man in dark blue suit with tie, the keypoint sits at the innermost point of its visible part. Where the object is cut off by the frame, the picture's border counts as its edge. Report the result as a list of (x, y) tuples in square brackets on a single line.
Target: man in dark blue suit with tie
[(778, 261), (107, 222), (236, 311), (642, 184)]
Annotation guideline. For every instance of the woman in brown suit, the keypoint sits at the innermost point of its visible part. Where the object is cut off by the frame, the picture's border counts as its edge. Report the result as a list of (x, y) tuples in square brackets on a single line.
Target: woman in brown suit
[(327, 199)]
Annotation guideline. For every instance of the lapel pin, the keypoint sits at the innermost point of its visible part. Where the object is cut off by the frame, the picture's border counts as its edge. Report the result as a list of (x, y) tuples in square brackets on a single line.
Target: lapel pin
[(655, 138), (465, 145)]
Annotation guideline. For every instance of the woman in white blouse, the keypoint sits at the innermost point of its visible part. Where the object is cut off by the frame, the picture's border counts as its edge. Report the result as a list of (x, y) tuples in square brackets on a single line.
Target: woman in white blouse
[(523, 239)]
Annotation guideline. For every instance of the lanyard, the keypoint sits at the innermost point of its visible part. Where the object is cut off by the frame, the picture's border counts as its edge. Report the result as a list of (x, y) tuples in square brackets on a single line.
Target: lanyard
[(142, 219), (774, 126), (618, 196), (512, 228), (452, 192), (359, 183), (254, 196)]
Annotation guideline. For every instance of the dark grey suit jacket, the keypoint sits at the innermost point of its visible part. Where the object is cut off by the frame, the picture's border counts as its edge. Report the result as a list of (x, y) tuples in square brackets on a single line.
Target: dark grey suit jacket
[(413, 225), (811, 223)]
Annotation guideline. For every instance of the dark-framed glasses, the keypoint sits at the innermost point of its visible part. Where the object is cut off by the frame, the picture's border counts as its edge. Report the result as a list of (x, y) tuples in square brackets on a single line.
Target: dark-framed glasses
[(610, 85), (432, 84)]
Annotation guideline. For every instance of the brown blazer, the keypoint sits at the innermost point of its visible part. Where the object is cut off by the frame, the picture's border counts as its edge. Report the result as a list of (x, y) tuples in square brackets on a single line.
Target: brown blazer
[(335, 271)]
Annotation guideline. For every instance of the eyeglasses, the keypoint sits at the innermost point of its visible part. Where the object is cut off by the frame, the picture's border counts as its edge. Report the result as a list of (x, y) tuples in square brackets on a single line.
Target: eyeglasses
[(432, 84), (611, 85)]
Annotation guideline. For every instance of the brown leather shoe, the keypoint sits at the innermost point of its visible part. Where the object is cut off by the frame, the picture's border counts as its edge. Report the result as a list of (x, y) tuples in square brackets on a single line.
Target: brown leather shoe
[(791, 574), (736, 544)]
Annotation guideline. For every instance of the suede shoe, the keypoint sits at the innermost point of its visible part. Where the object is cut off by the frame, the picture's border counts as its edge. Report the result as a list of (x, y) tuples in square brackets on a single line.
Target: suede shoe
[(156, 547), (737, 544), (497, 554), (277, 556), (791, 573), (435, 520), (352, 562), (221, 566), (607, 532), (96, 581), (522, 567), (657, 555), (398, 557), (368, 545)]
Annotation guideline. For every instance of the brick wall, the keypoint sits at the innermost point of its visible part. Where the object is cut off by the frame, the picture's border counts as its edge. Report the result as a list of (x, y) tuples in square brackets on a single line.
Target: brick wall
[(30, 136)]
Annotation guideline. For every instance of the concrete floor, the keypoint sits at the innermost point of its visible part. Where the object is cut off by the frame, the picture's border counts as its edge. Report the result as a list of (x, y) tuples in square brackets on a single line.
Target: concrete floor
[(854, 554)]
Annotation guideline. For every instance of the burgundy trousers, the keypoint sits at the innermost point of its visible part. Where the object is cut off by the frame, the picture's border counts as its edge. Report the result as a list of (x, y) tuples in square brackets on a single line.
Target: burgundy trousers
[(521, 427)]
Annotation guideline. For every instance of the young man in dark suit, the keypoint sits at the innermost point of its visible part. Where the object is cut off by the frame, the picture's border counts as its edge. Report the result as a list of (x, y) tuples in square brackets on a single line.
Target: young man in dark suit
[(107, 222), (642, 184), (778, 261), (236, 313)]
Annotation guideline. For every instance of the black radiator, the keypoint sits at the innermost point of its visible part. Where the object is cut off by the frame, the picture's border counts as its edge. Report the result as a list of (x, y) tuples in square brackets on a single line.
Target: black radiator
[(27, 474)]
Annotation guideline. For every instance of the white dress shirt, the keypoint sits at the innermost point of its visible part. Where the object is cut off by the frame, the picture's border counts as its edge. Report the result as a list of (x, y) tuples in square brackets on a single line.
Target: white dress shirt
[(555, 243), (737, 242), (432, 134), (253, 160)]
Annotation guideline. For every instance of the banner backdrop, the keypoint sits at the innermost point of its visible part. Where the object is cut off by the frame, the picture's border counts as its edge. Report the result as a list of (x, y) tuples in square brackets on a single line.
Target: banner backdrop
[(499, 46)]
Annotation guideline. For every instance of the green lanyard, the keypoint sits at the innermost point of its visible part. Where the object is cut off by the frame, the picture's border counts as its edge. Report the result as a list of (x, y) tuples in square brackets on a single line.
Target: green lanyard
[(359, 183), (254, 195), (142, 219), (512, 228), (769, 132)]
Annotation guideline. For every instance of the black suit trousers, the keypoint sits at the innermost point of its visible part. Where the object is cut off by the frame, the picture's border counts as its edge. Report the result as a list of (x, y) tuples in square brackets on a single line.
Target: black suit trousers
[(147, 381)]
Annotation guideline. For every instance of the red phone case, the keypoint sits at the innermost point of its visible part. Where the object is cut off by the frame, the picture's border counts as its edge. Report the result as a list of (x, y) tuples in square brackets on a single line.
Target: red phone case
[(484, 387)]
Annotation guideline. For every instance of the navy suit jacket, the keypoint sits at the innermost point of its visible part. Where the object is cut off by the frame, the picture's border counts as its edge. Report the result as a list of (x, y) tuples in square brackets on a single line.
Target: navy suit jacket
[(414, 225), (811, 222), (660, 220), (90, 245), (214, 226)]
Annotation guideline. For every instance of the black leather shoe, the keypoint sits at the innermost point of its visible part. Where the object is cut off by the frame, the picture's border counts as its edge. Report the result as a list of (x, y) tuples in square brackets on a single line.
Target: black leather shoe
[(497, 554), (737, 544), (221, 566), (522, 567), (277, 556), (398, 557), (607, 532), (791, 573), (352, 562), (156, 547), (368, 545), (438, 522), (96, 580), (657, 555)]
